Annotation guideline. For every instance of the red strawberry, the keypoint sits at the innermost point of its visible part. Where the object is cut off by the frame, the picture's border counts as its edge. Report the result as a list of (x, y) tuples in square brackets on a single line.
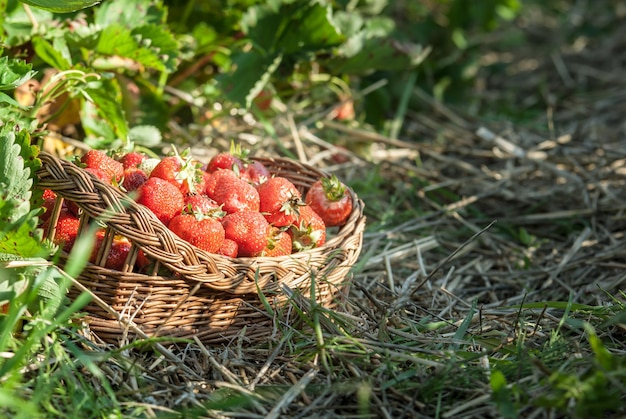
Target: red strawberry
[(49, 200), (142, 260), (133, 179), (120, 248), (203, 205), (132, 159), (309, 231), (235, 195), (255, 172), (96, 159), (180, 171), (206, 234), (279, 200), (228, 248), (116, 257), (219, 177), (330, 199), (249, 229), (101, 174), (66, 230), (231, 160), (163, 198), (279, 244)]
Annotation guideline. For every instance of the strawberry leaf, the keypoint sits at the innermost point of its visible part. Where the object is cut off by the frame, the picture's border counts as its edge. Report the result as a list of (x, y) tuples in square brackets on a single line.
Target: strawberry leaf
[(14, 73), (252, 72), (149, 45), (104, 95), (66, 6), (18, 232)]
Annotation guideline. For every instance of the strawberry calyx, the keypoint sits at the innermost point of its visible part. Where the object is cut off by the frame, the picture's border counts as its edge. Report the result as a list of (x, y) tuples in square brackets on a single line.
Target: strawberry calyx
[(333, 188)]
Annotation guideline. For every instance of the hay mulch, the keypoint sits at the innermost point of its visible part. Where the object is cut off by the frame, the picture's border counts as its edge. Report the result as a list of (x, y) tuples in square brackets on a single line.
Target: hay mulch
[(470, 216)]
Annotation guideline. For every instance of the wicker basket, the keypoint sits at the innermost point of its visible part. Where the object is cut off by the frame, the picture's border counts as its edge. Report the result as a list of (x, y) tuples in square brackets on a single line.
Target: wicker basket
[(191, 292)]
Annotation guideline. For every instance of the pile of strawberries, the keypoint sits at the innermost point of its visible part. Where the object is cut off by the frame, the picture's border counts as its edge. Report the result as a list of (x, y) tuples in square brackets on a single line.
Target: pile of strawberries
[(231, 206)]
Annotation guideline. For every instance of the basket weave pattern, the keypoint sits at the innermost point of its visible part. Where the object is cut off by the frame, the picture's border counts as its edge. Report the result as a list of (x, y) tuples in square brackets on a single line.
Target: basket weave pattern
[(191, 292)]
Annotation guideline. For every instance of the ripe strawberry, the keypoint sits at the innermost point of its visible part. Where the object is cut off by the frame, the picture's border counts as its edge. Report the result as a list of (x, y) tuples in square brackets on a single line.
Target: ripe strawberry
[(330, 199), (49, 200), (309, 231), (96, 159), (163, 198), (231, 160), (279, 244), (142, 261), (182, 172), (255, 172), (219, 177), (66, 229), (249, 229), (279, 200), (101, 174), (120, 248), (206, 233), (202, 205), (133, 179), (235, 194), (132, 159), (116, 257), (228, 248)]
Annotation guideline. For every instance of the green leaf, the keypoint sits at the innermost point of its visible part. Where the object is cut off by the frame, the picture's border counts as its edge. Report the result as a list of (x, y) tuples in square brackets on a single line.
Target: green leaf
[(129, 14), (252, 71), (292, 28), (145, 135), (14, 73), (15, 176), (4, 98), (65, 6), (379, 54), (313, 29), (19, 234), (502, 395), (104, 94), (49, 54), (149, 45), (462, 330)]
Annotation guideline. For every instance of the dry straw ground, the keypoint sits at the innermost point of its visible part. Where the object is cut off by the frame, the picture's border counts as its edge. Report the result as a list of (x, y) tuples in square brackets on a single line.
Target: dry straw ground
[(517, 198)]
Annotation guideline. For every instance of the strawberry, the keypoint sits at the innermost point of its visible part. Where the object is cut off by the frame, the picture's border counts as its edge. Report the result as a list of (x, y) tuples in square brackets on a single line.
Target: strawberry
[(279, 244), (279, 200), (231, 160), (96, 159), (331, 200), (147, 165), (235, 194), (133, 179), (228, 248), (206, 233), (249, 229), (102, 175), (66, 229), (255, 173), (181, 171), (309, 230), (116, 257), (49, 200), (163, 198), (132, 159), (202, 205), (120, 248), (219, 177)]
